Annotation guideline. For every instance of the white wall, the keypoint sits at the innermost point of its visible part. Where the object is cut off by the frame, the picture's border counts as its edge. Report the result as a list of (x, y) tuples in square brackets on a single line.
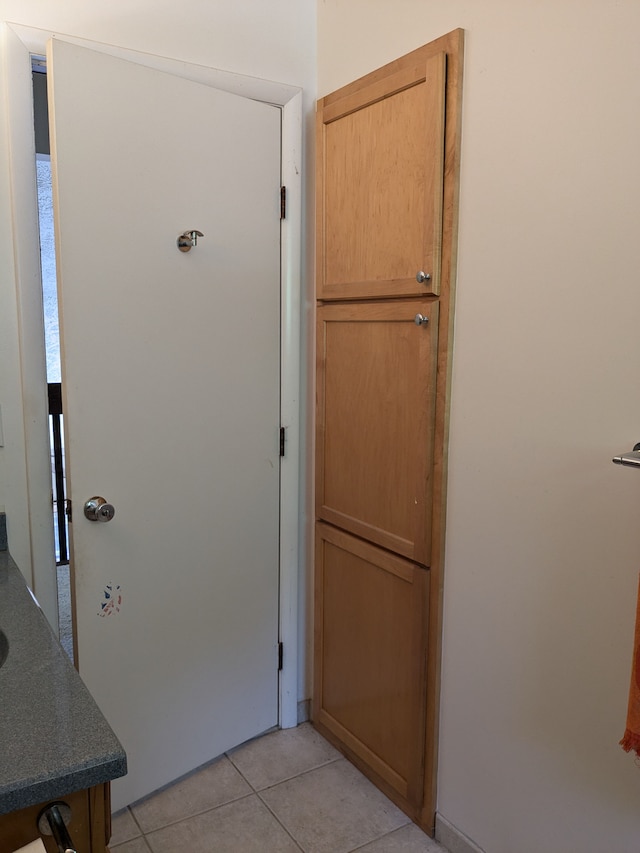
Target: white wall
[(13, 479), (543, 541), (274, 41)]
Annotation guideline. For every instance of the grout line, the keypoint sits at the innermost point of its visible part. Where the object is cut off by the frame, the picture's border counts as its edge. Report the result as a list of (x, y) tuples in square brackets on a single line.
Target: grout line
[(301, 773), (379, 838), (197, 814), (151, 832), (258, 791), (135, 820), (239, 772), (277, 819), (137, 838)]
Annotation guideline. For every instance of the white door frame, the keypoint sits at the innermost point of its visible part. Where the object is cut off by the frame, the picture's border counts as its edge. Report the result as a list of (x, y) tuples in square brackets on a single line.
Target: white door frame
[(19, 43)]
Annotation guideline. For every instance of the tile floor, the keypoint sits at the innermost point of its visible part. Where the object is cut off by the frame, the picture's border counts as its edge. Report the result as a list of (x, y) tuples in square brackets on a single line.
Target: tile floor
[(286, 792)]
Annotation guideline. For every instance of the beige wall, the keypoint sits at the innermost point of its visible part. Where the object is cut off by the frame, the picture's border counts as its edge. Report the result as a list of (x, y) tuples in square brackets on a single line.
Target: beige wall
[(274, 40), (543, 544)]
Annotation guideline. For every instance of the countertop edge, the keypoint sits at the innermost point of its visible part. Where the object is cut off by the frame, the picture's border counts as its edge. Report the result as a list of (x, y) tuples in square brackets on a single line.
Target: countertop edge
[(53, 789)]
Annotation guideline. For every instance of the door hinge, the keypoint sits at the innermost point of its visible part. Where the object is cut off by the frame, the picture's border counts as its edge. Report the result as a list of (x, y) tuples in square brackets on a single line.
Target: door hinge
[(68, 509), (283, 202), (282, 440), (280, 655)]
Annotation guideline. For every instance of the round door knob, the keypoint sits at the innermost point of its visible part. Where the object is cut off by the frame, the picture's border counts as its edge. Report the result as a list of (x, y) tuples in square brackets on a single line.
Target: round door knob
[(420, 320), (97, 509), (423, 277)]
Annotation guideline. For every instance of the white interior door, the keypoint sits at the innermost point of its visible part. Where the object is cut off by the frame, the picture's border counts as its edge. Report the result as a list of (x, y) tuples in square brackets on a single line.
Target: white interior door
[(171, 382)]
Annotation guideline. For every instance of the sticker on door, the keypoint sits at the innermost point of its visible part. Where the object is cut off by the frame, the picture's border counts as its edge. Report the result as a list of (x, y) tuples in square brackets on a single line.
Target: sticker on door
[(112, 600)]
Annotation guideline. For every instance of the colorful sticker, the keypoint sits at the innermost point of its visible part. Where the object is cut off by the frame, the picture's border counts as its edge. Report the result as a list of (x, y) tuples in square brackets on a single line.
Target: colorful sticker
[(112, 600)]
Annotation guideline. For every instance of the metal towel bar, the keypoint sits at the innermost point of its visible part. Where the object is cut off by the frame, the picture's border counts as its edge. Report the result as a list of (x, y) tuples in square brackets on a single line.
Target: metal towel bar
[(632, 458), (52, 822)]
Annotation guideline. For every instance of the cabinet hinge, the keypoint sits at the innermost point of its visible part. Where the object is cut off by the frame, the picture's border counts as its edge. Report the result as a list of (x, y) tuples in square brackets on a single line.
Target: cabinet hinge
[(280, 655), (68, 509), (282, 440), (283, 202)]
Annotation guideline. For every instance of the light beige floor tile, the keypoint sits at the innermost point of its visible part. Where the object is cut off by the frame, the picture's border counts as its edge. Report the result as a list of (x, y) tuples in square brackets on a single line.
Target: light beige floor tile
[(138, 845), (213, 785), (245, 826), (123, 828), (333, 809), (281, 755), (408, 839)]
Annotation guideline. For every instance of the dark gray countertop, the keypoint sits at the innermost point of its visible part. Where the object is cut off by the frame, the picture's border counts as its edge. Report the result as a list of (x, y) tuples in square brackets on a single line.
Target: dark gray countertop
[(53, 738)]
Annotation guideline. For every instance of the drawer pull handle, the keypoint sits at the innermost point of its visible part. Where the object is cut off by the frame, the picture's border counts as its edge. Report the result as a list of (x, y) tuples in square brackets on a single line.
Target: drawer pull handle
[(52, 822)]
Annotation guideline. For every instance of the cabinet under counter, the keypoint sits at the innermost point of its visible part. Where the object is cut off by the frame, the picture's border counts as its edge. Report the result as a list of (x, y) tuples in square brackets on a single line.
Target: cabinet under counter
[(55, 744)]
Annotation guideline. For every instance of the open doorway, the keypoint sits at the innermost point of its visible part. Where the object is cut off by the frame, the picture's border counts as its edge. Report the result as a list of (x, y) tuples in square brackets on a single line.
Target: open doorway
[(52, 350)]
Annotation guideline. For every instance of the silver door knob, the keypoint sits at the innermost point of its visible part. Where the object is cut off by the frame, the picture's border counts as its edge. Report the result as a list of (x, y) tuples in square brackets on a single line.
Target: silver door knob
[(423, 277), (420, 320), (97, 509)]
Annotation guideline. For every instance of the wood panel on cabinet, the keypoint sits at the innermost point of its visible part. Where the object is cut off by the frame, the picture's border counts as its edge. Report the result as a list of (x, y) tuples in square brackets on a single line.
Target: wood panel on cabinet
[(376, 371), (379, 185), (370, 665)]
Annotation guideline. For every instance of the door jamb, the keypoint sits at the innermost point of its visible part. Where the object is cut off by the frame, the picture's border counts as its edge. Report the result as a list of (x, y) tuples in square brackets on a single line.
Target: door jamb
[(25, 41)]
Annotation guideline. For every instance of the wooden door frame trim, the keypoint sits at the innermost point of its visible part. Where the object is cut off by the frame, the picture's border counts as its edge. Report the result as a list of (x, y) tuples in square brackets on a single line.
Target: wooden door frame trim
[(21, 42), (453, 45)]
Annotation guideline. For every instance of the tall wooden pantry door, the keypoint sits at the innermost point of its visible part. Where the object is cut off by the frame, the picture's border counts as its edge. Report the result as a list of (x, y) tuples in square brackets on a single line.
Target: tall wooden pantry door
[(388, 159)]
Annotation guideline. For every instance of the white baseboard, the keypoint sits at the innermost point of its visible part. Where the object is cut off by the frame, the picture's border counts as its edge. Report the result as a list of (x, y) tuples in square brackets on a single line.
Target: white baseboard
[(454, 840)]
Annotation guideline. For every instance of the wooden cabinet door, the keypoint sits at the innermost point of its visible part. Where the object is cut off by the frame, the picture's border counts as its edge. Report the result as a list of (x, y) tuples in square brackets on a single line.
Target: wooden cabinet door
[(388, 154), (370, 665), (379, 184), (376, 401)]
